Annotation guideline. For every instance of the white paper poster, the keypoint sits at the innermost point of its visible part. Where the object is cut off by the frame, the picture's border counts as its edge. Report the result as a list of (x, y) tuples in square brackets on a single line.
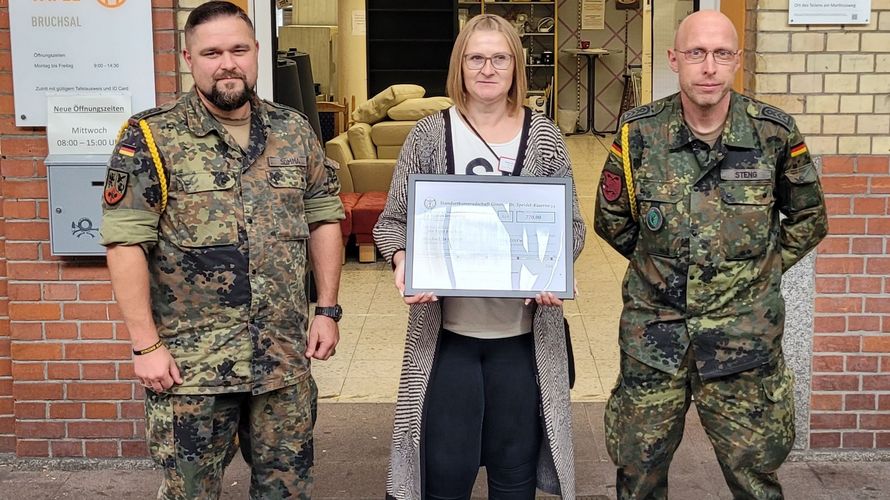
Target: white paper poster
[(593, 14), (826, 12), (85, 124), (358, 23), (80, 47)]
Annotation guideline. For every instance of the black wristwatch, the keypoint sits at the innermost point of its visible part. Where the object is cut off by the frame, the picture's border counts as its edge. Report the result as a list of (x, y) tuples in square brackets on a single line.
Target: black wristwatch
[(335, 312)]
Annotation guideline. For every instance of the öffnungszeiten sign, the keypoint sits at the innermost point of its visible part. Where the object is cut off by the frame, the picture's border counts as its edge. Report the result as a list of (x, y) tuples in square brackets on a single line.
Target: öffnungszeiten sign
[(829, 11), (80, 47), (489, 236)]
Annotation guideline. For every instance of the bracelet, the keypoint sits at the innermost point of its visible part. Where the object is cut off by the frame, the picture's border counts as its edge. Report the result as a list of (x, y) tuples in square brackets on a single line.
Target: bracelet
[(151, 348)]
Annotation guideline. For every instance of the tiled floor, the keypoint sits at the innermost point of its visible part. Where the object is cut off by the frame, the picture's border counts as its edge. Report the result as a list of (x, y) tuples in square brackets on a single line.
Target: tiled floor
[(366, 367)]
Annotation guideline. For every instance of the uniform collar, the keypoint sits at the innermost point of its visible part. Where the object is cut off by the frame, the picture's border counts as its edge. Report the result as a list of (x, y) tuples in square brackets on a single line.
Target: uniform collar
[(201, 122), (737, 131)]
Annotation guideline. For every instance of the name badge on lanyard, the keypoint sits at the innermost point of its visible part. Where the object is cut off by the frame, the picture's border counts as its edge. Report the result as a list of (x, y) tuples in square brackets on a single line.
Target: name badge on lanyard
[(506, 164)]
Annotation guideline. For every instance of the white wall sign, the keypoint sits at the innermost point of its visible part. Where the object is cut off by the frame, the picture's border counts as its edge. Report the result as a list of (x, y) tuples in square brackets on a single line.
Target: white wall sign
[(85, 124), (79, 47), (828, 12), (593, 14)]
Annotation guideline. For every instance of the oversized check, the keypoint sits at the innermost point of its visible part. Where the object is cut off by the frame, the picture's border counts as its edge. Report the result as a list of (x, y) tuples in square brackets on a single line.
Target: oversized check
[(489, 236)]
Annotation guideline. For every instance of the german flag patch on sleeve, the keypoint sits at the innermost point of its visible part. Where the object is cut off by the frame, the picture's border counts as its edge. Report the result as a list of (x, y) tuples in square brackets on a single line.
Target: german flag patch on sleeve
[(798, 150)]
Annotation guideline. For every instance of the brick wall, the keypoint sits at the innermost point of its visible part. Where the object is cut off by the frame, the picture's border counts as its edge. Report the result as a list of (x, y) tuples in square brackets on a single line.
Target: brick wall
[(64, 354), (835, 80)]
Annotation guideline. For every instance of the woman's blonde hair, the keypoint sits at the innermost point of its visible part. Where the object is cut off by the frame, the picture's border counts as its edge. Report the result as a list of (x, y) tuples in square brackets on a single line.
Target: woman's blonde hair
[(455, 84)]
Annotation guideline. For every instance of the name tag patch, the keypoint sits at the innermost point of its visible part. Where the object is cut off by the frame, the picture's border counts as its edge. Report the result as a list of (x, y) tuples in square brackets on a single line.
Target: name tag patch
[(287, 161), (746, 174)]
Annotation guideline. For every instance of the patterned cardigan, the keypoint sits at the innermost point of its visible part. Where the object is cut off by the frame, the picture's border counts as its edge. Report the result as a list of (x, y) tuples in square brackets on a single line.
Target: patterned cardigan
[(428, 150)]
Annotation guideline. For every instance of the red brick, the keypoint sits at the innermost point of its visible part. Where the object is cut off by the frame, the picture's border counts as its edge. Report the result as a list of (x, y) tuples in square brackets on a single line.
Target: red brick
[(832, 421), (868, 246), (27, 231), (24, 411), (94, 331), (825, 440), (840, 265), (19, 209), (870, 206), (876, 383), (880, 185), (871, 165), (133, 449), (865, 285), (34, 311), (838, 205), (864, 323), (125, 371), (859, 402), (100, 391), (29, 371), (885, 363), (844, 184), (66, 410), (878, 225), (859, 440), (17, 168), (60, 331), (166, 41), (85, 272), (822, 364), (882, 440), (877, 304), (98, 351), (885, 324), (101, 449), (165, 63), (36, 391), (838, 305), (876, 422), (884, 402), (835, 382), (831, 285), (101, 411), (114, 312), (38, 271), (66, 448), (74, 311), (24, 292), (830, 324), (96, 429), (133, 410), (108, 371), (26, 189), (827, 402), (95, 292), (846, 225), (40, 429), (878, 265), (837, 165), (22, 251), (25, 146), (59, 291), (36, 351), (876, 344), (63, 371), (32, 448)]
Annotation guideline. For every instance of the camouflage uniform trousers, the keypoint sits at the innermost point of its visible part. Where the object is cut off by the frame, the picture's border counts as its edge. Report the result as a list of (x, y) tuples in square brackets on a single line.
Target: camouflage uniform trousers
[(748, 416), (194, 437)]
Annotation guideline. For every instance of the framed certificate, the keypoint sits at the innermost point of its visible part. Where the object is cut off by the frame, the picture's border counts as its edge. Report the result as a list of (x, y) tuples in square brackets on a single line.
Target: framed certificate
[(489, 236)]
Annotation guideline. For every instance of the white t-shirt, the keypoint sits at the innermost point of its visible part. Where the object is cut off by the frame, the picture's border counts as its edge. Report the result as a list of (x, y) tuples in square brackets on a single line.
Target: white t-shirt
[(485, 318)]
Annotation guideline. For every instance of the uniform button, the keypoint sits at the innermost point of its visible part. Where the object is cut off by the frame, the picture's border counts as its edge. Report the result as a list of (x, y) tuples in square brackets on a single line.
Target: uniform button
[(250, 220), (253, 271)]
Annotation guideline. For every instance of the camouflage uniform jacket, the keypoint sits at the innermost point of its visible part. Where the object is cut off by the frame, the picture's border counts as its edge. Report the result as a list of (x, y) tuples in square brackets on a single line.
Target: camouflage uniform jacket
[(227, 255), (707, 246)]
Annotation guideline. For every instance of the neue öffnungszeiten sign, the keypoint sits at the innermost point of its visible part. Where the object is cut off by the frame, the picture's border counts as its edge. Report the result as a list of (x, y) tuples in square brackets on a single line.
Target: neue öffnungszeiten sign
[(489, 236), (80, 47)]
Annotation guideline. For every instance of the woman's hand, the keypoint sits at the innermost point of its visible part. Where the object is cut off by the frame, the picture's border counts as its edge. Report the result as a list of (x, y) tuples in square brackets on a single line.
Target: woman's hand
[(399, 260), (548, 299)]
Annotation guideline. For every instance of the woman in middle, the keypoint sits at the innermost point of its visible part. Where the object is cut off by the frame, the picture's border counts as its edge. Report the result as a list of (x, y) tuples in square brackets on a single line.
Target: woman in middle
[(484, 380)]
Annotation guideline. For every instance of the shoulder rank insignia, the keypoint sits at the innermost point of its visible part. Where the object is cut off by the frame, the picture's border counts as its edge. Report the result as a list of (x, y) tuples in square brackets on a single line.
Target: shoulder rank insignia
[(644, 111), (765, 111), (134, 120)]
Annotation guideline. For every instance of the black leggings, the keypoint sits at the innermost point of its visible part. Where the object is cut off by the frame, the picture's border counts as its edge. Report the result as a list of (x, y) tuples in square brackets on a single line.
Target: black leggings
[(482, 409)]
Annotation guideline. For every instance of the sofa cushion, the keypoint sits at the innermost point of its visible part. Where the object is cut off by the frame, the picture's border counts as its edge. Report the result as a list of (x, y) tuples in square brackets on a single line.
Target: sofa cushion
[(360, 142), (376, 107), (417, 108), (390, 133), (388, 152), (371, 175), (349, 200), (365, 215)]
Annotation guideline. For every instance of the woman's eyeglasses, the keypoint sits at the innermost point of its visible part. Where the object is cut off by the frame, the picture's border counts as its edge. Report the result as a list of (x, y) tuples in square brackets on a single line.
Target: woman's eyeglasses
[(477, 61)]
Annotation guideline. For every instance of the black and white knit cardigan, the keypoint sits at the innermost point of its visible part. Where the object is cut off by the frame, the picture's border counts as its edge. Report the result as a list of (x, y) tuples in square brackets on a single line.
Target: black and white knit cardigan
[(427, 150)]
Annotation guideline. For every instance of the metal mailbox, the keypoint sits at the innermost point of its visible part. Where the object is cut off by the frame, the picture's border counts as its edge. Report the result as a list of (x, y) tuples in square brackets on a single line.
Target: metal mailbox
[(75, 183)]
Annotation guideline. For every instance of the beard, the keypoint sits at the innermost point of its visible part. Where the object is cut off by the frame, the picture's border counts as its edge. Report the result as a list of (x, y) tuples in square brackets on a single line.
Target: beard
[(229, 100)]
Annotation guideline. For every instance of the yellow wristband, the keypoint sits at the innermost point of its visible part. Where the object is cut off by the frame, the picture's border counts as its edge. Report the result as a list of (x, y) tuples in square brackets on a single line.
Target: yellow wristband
[(157, 345)]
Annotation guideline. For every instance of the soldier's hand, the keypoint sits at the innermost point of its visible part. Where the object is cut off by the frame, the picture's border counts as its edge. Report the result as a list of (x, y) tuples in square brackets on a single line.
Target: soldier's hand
[(157, 370), (324, 334), (399, 271)]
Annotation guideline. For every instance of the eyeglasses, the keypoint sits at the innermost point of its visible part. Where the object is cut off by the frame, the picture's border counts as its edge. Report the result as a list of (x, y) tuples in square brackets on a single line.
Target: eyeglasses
[(477, 61), (721, 56)]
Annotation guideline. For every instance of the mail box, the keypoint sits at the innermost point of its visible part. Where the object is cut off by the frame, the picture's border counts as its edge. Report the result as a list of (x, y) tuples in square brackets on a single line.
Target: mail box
[(75, 203)]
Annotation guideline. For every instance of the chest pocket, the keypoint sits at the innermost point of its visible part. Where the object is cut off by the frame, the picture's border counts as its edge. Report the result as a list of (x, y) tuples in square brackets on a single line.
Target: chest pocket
[(661, 217), (746, 221), (288, 214), (204, 204)]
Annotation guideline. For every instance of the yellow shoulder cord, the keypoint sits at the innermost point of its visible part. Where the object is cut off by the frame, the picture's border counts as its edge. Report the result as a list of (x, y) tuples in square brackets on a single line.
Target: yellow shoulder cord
[(156, 158), (628, 173)]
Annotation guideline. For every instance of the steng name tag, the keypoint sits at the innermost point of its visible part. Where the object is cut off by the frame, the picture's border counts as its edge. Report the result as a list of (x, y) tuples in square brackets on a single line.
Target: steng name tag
[(746, 174)]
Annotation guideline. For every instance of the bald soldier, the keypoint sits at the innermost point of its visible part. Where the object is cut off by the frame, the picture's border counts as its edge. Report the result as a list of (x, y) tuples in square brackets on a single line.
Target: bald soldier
[(711, 196)]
